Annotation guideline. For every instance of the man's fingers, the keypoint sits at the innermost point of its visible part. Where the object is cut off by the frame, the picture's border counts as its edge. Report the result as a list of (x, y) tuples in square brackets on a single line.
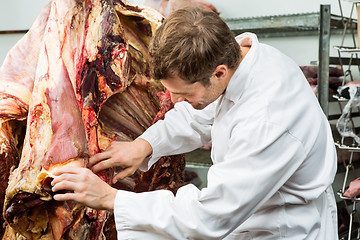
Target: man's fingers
[(123, 174), (64, 182), (98, 158), (65, 197), (68, 180), (101, 166), (347, 194)]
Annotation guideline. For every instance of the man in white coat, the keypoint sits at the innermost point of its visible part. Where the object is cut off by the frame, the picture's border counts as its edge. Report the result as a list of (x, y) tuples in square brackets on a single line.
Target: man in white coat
[(272, 149)]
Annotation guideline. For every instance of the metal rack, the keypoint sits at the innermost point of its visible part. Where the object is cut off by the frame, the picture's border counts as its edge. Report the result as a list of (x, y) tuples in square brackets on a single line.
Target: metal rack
[(348, 58), (352, 210), (352, 60), (303, 24)]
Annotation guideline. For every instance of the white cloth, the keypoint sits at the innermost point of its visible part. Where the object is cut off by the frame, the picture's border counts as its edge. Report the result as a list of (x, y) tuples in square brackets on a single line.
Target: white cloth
[(156, 4), (273, 162)]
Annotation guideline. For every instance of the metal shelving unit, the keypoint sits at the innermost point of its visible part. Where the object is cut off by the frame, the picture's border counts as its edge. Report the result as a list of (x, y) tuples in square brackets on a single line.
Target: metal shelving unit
[(348, 59), (304, 24)]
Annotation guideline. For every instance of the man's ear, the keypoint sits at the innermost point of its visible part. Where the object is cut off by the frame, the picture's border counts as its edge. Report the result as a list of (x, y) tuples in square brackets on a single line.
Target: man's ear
[(218, 74), (221, 71)]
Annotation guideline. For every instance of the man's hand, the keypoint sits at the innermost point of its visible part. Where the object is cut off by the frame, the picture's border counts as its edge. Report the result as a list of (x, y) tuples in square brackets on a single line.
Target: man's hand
[(127, 155), (354, 189), (85, 187)]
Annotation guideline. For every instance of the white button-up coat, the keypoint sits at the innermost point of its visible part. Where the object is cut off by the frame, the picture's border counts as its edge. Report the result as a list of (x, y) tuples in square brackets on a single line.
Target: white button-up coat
[(273, 161)]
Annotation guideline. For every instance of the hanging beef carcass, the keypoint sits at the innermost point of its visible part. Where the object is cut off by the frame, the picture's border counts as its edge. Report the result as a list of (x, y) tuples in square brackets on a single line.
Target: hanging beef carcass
[(80, 79)]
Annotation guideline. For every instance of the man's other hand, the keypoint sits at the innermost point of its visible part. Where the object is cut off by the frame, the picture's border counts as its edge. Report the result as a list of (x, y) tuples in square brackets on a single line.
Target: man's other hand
[(126, 155)]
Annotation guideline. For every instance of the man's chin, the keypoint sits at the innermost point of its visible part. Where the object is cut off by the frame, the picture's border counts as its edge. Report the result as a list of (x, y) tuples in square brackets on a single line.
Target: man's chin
[(199, 106)]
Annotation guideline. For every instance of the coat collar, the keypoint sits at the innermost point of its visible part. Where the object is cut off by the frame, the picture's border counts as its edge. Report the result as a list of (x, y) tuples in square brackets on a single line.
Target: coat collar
[(242, 76)]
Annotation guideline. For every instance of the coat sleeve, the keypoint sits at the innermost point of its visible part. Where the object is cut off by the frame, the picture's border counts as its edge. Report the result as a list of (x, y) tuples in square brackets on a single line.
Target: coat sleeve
[(252, 171), (182, 130)]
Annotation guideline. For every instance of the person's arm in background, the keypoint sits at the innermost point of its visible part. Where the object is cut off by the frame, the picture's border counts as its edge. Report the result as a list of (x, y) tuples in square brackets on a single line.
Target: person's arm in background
[(354, 189), (184, 129)]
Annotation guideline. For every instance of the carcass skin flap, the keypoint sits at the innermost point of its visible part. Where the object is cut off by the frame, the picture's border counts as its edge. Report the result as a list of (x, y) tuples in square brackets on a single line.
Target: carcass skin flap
[(89, 85), (17, 74), (55, 136)]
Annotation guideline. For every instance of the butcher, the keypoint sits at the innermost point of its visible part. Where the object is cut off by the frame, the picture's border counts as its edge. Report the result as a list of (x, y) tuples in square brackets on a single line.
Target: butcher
[(273, 154)]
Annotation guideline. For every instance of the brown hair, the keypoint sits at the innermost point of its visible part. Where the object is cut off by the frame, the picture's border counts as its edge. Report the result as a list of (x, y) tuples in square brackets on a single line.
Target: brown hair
[(190, 44)]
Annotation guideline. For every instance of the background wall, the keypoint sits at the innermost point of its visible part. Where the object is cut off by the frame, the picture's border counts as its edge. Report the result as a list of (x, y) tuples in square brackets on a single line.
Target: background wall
[(19, 14)]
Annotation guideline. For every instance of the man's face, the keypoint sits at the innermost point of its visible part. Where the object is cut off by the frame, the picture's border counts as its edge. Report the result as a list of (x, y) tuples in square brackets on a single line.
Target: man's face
[(196, 94)]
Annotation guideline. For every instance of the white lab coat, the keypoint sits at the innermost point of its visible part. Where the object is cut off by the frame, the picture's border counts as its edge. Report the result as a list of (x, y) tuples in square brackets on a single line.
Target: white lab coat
[(273, 162)]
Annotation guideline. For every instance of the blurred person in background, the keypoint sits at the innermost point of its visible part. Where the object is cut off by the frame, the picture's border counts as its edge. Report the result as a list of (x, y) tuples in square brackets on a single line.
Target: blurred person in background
[(165, 7)]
